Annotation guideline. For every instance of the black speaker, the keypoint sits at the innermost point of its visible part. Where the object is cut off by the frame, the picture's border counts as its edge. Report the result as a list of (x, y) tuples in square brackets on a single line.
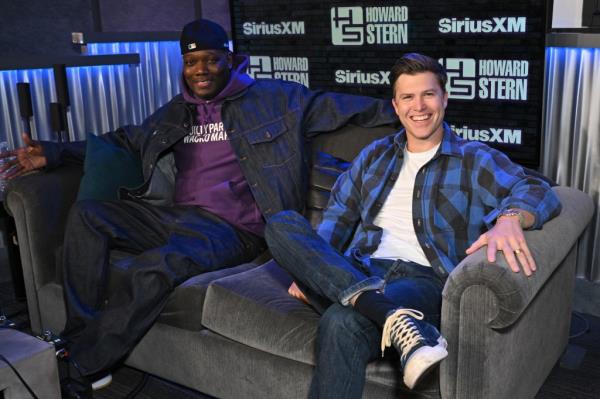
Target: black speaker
[(62, 86), (24, 94), (57, 117)]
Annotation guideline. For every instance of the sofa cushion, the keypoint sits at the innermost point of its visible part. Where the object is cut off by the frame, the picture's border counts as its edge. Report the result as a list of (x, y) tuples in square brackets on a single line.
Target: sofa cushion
[(348, 141), (324, 173), (255, 309), (183, 308)]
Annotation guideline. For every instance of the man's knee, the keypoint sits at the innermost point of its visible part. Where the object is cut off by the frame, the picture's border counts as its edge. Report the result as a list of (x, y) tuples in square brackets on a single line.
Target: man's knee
[(341, 320), (88, 213)]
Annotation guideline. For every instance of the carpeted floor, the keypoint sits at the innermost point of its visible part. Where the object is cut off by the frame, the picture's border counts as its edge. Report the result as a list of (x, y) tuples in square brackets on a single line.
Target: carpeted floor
[(577, 378), (129, 383), (577, 381)]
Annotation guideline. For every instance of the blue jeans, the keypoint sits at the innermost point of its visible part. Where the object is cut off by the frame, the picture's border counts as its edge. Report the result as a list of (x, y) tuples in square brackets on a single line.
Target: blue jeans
[(347, 340)]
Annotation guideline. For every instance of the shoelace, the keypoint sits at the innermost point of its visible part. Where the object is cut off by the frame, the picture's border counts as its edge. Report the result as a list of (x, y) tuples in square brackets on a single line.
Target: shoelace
[(397, 325)]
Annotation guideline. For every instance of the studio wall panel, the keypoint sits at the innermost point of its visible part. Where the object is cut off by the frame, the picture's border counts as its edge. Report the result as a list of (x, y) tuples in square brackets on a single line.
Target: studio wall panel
[(493, 51), (147, 15)]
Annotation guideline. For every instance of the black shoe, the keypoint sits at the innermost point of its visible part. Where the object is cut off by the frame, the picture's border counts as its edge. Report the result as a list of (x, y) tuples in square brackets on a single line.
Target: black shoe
[(72, 388), (72, 383), (74, 380)]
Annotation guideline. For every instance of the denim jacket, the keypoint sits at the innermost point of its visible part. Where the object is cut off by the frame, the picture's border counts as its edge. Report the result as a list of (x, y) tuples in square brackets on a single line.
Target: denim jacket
[(268, 125)]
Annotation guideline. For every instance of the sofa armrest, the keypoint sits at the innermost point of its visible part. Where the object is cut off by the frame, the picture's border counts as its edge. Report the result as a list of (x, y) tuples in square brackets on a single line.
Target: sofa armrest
[(549, 246), (505, 331), (39, 202)]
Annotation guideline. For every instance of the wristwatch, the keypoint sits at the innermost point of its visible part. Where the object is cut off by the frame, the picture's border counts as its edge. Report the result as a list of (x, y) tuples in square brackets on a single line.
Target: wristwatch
[(513, 213)]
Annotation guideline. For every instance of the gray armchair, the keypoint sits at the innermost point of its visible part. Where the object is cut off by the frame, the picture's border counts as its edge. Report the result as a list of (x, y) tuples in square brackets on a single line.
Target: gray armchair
[(237, 334)]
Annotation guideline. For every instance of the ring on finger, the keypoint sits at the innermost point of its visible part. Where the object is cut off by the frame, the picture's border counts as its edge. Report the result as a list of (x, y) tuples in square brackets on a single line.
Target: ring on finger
[(517, 251)]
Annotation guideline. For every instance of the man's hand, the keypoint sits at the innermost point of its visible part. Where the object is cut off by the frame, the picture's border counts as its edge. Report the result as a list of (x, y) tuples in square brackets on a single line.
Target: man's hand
[(296, 293), (24, 159), (507, 236)]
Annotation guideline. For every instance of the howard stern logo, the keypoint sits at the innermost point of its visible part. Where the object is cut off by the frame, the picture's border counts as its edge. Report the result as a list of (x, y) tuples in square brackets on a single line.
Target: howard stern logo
[(489, 135), (494, 25), (274, 29), (355, 26), (486, 79), (293, 69), (346, 76)]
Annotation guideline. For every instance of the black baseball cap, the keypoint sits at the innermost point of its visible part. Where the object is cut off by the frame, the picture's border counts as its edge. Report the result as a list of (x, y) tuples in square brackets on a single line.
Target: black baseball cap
[(203, 34)]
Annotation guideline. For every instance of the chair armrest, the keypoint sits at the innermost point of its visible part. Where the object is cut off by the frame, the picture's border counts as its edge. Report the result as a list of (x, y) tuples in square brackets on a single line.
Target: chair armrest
[(549, 246), (39, 202)]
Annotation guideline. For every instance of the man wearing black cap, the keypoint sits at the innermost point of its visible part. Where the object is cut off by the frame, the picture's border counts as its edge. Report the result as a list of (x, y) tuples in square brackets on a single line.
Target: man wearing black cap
[(218, 160)]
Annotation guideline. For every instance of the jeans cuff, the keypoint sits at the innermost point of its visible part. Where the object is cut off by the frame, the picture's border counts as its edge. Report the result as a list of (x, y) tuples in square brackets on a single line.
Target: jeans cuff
[(369, 284)]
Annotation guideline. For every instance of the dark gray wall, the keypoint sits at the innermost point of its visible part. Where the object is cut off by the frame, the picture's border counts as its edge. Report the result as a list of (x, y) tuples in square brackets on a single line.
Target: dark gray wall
[(36, 27), (146, 15), (218, 11)]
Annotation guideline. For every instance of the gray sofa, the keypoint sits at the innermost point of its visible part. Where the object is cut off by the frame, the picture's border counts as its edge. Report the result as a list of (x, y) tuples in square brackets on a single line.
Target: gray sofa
[(236, 333)]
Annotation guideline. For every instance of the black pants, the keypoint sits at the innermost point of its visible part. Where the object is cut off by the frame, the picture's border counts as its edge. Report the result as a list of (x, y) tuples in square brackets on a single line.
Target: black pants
[(164, 246)]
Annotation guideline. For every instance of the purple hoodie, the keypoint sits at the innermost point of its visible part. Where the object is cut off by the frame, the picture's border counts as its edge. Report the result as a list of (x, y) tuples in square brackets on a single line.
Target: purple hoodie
[(208, 172)]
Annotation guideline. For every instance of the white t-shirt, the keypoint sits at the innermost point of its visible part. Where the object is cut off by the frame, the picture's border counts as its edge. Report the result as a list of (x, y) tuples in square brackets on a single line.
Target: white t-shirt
[(399, 240)]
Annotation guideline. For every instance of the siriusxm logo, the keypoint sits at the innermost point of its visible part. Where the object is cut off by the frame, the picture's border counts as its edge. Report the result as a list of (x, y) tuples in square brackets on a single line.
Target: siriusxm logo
[(293, 69), (355, 26), (274, 29), (494, 25), (490, 135), (363, 78), (486, 79)]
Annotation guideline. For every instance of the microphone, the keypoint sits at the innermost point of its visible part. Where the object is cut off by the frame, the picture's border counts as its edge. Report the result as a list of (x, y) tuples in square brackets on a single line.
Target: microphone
[(62, 94), (61, 84), (25, 106), (57, 121)]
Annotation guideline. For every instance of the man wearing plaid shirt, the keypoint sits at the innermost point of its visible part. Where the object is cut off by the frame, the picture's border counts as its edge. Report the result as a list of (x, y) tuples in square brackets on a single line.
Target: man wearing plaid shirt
[(408, 210)]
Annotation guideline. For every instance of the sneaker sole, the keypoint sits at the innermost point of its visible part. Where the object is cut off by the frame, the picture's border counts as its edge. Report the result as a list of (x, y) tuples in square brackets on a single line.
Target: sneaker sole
[(423, 360), (102, 382)]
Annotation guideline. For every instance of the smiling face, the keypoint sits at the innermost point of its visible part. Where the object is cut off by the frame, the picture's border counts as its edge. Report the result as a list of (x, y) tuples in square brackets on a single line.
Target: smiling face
[(420, 104), (207, 72)]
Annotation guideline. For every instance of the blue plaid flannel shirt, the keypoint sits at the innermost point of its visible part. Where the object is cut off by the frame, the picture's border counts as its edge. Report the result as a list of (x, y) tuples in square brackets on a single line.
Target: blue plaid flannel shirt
[(457, 196)]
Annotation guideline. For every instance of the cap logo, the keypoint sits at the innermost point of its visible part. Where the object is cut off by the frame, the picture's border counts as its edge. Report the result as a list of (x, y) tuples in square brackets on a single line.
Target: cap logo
[(191, 46)]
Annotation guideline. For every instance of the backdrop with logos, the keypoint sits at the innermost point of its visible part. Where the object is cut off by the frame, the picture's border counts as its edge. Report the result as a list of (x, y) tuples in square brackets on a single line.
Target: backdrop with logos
[(493, 53)]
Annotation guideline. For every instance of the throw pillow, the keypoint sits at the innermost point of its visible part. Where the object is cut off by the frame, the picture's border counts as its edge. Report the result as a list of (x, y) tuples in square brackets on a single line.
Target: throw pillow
[(324, 172), (106, 168)]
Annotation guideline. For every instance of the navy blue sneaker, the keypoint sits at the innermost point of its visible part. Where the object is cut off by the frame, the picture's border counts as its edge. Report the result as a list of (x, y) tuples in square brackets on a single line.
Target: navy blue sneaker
[(420, 344)]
